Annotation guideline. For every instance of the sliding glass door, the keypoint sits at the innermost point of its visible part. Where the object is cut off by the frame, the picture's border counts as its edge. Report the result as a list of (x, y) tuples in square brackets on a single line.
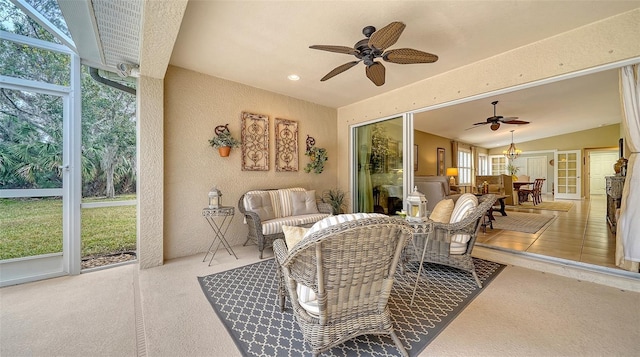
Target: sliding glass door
[(378, 167)]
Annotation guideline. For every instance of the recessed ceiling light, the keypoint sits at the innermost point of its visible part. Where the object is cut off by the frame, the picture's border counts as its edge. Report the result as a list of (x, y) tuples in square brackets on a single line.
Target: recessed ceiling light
[(293, 77)]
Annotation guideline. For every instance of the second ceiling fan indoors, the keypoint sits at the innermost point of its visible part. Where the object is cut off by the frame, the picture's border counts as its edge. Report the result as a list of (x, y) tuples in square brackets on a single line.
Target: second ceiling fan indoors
[(373, 47), (495, 120)]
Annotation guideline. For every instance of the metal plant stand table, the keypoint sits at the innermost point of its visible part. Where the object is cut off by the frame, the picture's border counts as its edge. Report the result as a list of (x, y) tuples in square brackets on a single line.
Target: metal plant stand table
[(421, 231), (219, 219)]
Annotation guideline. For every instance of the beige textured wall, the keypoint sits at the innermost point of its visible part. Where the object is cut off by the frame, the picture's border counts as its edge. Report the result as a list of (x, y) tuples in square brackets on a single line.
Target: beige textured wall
[(608, 41), (194, 105), (149, 225), (428, 145)]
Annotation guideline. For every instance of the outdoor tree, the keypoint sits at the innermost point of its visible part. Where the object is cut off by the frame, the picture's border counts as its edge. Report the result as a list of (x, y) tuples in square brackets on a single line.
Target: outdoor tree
[(31, 123)]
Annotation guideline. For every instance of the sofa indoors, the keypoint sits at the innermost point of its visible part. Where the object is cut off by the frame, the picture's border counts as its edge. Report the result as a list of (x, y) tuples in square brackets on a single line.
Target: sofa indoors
[(435, 189), (499, 185)]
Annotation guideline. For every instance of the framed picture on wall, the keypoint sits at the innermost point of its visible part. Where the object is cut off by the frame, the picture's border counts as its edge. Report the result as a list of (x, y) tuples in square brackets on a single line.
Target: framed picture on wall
[(415, 157), (440, 161)]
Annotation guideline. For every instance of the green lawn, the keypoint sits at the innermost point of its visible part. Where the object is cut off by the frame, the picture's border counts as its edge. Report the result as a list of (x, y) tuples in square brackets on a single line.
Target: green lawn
[(34, 226)]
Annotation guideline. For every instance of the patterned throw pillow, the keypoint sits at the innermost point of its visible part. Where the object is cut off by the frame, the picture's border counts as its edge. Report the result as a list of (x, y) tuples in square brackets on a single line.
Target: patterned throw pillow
[(303, 202), (293, 235), (442, 211)]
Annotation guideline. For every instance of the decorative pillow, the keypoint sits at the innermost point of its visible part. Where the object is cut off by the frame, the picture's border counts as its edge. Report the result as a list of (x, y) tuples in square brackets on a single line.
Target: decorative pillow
[(442, 211), (341, 218), (293, 235), (303, 202), (260, 203), (286, 207), (464, 206)]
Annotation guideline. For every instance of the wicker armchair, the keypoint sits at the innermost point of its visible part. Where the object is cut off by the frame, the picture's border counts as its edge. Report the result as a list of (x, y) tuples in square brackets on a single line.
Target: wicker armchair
[(350, 267), (438, 248)]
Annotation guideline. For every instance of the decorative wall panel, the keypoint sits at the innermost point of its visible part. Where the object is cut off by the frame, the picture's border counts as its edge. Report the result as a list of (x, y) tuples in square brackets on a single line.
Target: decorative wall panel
[(255, 142), (286, 145)]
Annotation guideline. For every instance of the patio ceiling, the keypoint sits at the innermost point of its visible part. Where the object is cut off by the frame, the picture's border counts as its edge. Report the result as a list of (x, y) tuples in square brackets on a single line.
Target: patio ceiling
[(259, 43)]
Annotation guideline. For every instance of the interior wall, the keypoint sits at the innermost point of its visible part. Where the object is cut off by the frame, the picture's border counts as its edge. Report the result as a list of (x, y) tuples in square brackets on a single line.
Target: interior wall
[(195, 104), (603, 42), (428, 145)]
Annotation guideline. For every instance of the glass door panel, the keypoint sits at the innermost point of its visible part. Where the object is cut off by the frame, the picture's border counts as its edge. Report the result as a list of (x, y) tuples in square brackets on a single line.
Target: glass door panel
[(567, 173), (378, 167)]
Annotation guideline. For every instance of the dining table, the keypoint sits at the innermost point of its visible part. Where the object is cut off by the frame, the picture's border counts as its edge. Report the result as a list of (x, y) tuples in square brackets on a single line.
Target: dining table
[(522, 196)]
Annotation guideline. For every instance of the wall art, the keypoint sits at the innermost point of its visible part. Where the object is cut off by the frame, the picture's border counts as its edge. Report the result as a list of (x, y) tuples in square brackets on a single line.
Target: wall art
[(440, 161), (255, 142), (286, 145)]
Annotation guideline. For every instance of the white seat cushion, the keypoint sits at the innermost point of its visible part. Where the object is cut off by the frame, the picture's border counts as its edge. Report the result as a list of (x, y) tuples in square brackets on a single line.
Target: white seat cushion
[(341, 218), (307, 299), (274, 226), (465, 205)]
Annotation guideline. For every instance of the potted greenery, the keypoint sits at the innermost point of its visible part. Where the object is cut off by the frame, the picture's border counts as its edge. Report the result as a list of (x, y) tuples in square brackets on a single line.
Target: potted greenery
[(224, 142), (317, 156), (336, 198)]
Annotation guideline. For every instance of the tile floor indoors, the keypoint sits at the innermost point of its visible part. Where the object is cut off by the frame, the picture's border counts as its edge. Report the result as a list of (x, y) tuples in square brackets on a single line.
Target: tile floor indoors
[(580, 235)]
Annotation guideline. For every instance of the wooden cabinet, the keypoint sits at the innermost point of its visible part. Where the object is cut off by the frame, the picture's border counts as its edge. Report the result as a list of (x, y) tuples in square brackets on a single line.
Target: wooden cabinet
[(613, 188)]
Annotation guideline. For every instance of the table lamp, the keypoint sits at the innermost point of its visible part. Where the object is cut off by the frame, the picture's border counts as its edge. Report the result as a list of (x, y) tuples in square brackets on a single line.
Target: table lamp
[(452, 172)]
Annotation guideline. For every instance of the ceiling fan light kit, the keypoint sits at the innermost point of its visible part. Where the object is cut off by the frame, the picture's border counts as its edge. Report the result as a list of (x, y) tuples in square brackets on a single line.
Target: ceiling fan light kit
[(373, 47)]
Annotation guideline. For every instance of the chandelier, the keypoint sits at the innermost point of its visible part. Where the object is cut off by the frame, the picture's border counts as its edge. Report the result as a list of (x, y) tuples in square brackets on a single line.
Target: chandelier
[(512, 153)]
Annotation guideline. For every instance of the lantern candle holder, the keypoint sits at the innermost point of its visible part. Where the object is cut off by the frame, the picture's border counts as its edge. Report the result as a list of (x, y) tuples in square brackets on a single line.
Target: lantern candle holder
[(215, 198), (416, 206)]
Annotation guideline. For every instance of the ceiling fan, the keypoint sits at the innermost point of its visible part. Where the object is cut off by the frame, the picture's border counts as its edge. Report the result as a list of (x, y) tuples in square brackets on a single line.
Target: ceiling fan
[(495, 120), (374, 46)]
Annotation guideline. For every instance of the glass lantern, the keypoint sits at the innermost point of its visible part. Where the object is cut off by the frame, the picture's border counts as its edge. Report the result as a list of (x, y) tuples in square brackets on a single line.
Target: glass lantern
[(214, 198), (416, 206)]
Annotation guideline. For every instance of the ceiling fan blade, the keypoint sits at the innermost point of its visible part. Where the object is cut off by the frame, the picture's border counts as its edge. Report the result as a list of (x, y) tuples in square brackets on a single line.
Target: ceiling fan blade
[(515, 121), (375, 73), (408, 56), (482, 123), (386, 36), (339, 49), (339, 70)]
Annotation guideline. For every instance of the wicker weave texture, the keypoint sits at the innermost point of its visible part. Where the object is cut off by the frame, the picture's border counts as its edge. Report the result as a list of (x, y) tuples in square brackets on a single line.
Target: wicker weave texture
[(438, 242), (350, 266), (254, 226)]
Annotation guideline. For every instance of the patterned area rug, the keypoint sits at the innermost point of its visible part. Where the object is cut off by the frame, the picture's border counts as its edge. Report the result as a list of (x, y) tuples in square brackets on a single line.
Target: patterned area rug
[(245, 300), (563, 206), (520, 221)]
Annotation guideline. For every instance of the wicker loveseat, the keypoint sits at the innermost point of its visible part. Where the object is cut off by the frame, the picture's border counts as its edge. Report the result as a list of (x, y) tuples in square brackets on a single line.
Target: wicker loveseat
[(266, 211), (339, 278)]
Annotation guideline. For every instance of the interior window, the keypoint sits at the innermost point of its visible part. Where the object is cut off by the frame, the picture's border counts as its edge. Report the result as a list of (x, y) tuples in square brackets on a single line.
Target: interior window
[(464, 167)]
